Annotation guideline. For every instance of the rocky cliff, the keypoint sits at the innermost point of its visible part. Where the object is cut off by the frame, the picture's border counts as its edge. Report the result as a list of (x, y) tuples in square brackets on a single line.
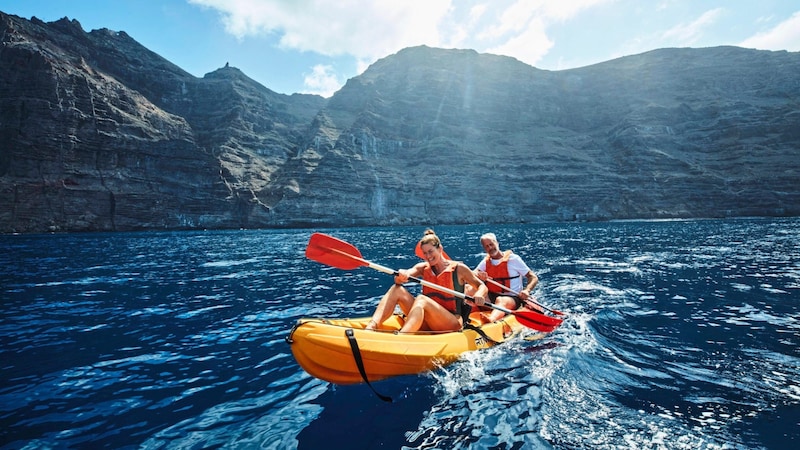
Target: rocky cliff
[(99, 133), (431, 135)]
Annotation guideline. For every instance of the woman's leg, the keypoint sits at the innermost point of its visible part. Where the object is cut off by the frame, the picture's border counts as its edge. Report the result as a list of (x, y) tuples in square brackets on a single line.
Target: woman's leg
[(429, 315), (394, 296)]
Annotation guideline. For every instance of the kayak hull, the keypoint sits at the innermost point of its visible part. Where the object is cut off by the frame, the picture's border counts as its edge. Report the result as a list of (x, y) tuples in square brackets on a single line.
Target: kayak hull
[(324, 350)]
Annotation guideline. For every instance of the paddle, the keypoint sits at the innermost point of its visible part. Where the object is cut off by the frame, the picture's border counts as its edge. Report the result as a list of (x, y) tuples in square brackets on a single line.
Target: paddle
[(502, 286), (334, 252)]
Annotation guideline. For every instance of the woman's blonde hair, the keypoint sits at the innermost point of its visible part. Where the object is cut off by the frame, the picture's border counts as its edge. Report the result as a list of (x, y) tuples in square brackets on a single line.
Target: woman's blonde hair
[(430, 237)]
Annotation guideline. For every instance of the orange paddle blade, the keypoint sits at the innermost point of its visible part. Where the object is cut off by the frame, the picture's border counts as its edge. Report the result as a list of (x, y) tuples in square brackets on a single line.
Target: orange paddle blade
[(326, 249)]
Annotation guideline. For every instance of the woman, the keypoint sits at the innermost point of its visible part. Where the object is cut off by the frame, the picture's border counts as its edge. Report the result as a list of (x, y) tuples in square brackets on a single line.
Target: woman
[(433, 310)]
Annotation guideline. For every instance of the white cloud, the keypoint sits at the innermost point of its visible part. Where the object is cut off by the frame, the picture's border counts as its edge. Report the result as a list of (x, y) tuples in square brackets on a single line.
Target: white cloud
[(565, 10), (529, 46), (512, 20), (785, 36), (455, 30), (321, 81), (360, 28), (686, 34), (363, 29), (519, 17), (367, 29), (520, 28)]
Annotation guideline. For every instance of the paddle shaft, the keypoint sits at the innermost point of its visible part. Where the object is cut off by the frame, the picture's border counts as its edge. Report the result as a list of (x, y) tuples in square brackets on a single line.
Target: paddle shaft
[(509, 290)]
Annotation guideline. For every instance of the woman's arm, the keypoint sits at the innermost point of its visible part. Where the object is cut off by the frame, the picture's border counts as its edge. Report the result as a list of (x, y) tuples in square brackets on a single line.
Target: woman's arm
[(467, 276), (403, 274)]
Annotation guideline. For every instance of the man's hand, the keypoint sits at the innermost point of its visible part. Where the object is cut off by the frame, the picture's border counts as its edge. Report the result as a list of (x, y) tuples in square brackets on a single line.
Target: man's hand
[(478, 300)]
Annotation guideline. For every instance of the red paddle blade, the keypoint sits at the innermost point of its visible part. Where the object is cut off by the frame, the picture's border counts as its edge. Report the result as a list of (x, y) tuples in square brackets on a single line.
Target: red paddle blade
[(334, 252), (537, 321)]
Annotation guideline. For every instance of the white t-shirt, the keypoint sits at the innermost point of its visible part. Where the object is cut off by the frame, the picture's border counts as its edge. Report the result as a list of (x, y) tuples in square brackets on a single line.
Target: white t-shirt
[(516, 269)]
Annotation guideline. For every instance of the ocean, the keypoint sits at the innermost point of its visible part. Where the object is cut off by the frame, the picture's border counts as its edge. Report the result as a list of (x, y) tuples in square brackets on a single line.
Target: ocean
[(679, 335)]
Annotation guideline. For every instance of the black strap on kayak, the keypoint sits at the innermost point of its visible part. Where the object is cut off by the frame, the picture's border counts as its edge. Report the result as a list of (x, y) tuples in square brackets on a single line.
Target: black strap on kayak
[(360, 363), (469, 326)]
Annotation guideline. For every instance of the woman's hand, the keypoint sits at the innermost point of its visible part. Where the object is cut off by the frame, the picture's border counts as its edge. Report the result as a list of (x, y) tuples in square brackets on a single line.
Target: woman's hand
[(401, 277)]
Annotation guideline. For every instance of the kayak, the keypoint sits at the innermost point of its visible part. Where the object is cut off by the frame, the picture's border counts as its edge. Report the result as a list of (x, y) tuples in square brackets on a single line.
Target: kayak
[(343, 351)]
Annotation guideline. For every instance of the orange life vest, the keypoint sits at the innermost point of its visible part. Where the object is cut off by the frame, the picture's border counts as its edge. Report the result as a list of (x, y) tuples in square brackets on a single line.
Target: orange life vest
[(448, 278), (499, 273)]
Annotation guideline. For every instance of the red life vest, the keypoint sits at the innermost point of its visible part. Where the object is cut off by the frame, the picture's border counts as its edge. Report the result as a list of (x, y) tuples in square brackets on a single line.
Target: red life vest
[(499, 273), (448, 278)]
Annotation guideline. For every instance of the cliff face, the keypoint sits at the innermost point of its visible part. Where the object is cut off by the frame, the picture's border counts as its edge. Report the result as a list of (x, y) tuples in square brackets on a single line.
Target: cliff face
[(98, 133), (427, 136)]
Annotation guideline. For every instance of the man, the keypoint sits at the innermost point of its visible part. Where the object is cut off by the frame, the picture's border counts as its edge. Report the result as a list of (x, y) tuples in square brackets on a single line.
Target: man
[(503, 273)]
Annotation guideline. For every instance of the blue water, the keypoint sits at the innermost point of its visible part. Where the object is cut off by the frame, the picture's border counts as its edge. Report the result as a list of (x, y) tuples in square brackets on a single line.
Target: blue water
[(681, 334)]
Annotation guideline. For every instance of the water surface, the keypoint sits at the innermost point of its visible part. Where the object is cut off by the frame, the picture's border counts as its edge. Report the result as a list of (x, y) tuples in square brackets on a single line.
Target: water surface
[(681, 334)]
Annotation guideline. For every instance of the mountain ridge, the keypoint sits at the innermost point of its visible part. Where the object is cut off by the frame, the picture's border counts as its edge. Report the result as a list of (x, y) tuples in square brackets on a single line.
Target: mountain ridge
[(99, 133)]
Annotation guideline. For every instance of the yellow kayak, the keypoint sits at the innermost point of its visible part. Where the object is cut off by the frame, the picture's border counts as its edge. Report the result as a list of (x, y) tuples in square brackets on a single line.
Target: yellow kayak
[(340, 350)]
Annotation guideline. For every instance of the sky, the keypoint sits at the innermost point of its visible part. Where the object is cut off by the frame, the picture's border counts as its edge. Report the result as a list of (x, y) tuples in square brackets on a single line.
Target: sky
[(315, 46)]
